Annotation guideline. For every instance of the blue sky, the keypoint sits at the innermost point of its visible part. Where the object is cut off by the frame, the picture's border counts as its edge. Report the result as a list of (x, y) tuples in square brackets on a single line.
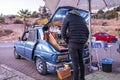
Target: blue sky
[(8, 7)]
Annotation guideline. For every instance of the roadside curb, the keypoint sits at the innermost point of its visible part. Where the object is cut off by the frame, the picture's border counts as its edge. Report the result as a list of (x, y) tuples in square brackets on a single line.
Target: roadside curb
[(7, 73)]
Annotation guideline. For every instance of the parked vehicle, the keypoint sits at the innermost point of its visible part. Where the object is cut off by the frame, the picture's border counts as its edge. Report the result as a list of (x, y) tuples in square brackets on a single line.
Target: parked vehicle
[(105, 37), (44, 52)]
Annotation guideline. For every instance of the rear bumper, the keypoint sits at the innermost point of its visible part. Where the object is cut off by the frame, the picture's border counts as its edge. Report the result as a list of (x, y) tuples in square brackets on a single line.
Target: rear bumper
[(53, 67)]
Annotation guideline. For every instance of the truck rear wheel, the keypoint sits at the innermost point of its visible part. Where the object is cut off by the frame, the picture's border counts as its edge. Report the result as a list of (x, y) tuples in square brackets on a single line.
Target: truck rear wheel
[(41, 66)]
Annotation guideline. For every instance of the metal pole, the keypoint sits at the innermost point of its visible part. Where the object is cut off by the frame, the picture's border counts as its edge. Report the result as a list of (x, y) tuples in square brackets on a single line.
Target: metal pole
[(90, 32), (90, 29)]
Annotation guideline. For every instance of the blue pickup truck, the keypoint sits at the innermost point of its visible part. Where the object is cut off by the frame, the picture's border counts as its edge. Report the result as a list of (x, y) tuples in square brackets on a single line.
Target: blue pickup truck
[(34, 47)]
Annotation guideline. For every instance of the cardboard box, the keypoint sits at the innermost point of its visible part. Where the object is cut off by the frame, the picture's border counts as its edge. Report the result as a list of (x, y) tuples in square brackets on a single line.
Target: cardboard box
[(63, 72)]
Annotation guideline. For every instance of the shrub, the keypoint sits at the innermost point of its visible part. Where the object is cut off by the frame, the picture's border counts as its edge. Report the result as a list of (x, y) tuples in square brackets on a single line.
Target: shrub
[(111, 14), (99, 15), (2, 20), (34, 14), (100, 12), (18, 22), (117, 9), (108, 15), (11, 17)]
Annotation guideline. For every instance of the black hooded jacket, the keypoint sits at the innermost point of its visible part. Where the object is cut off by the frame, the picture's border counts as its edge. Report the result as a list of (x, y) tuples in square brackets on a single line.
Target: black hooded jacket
[(76, 27)]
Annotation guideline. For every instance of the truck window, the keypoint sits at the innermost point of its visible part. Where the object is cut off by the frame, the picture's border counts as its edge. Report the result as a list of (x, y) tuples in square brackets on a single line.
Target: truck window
[(40, 34), (25, 36), (31, 36)]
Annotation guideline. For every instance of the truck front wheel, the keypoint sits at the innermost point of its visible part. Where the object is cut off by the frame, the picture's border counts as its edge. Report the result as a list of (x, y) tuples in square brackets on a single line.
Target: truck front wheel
[(16, 55), (41, 66)]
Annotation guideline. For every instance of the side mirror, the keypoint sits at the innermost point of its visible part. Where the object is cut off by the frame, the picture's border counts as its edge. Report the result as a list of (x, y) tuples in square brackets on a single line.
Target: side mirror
[(25, 39)]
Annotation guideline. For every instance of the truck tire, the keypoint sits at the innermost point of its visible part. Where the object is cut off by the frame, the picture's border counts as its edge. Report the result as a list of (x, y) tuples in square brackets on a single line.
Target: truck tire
[(16, 55), (41, 66)]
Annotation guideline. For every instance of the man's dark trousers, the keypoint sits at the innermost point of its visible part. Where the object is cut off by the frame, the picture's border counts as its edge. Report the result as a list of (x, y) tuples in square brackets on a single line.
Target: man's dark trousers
[(76, 50)]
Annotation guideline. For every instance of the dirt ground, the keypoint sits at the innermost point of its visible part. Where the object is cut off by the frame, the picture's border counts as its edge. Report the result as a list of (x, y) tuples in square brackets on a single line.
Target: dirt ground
[(108, 26), (11, 32)]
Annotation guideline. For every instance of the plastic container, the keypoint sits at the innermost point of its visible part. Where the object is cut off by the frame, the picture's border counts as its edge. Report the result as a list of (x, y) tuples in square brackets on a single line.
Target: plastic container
[(96, 45), (99, 44), (105, 45), (106, 64)]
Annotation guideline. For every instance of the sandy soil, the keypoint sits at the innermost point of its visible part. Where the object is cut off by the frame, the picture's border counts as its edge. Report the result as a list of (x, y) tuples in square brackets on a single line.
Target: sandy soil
[(11, 32), (108, 26)]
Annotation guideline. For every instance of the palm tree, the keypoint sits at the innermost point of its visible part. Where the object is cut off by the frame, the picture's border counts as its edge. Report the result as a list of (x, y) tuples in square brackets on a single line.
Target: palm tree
[(24, 14)]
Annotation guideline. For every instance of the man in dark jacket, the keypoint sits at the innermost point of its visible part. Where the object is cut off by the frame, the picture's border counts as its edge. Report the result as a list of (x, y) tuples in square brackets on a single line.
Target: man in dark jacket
[(75, 33)]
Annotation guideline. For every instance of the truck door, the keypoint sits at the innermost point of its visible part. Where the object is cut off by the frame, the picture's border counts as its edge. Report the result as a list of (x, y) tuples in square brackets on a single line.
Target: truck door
[(21, 48), (30, 44)]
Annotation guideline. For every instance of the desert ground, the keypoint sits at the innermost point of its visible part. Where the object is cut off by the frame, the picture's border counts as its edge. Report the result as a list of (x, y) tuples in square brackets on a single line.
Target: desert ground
[(11, 32)]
